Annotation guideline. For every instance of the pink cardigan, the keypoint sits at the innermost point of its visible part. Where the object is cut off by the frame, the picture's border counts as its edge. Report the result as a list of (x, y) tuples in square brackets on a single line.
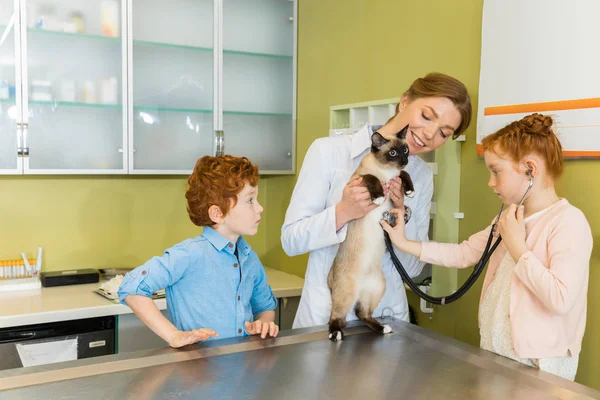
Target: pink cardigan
[(548, 296)]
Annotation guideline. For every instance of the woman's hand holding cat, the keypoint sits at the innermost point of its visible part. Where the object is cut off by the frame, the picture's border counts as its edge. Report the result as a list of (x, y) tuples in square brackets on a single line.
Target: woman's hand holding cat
[(398, 235), (356, 203), (396, 192)]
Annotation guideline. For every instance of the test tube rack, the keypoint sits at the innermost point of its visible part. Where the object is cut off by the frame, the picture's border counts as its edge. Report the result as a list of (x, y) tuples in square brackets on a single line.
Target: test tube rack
[(15, 276)]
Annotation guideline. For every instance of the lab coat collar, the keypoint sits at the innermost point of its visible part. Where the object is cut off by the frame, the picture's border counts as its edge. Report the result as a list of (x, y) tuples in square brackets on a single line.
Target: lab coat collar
[(361, 141)]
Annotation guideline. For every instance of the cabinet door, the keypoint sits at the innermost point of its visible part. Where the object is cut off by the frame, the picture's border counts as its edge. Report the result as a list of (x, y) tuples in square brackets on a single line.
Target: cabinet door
[(10, 113), (172, 84), (74, 73), (259, 82)]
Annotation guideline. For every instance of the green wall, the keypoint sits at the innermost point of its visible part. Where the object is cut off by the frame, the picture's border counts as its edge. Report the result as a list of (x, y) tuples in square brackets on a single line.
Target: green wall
[(96, 222)]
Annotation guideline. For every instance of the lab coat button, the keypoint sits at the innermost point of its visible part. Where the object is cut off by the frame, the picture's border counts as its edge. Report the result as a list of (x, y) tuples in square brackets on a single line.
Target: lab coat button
[(239, 331), (230, 244), (143, 272), (234, 265), (239, 298)]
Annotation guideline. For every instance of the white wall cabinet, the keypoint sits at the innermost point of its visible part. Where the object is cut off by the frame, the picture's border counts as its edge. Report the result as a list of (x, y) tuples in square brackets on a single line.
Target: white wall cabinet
[(145, 86)]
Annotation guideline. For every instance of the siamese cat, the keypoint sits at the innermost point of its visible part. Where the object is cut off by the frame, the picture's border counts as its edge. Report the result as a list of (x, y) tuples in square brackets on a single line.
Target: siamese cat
[(356, 276)]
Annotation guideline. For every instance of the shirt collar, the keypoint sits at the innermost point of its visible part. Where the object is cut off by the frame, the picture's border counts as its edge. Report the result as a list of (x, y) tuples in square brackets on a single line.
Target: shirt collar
[(219, 242)]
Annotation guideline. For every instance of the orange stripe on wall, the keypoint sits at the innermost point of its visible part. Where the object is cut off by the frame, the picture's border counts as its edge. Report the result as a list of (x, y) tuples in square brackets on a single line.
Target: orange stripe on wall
[(581, 153), (566, 153), (542, 107)]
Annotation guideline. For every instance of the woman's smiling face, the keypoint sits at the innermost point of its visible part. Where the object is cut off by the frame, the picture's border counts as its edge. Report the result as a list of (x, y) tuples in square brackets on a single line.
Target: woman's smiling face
[(431, 121)]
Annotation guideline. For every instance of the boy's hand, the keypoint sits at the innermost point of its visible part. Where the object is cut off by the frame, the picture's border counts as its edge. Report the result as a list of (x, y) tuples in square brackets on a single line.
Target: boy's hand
[(183, 338), (263, 328)]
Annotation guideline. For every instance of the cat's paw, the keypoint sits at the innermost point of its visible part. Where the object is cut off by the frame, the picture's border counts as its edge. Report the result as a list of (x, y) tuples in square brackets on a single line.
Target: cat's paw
[(387, 329), (336, 336), (410, 194), (379, 201)]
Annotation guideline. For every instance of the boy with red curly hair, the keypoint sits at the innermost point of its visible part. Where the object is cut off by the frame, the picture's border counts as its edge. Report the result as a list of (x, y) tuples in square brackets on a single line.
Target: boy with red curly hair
[(215, 284)]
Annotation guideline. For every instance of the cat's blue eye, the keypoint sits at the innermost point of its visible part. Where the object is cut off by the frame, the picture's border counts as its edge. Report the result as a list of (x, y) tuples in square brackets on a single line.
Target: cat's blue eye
[(393, 153), (406, 150)]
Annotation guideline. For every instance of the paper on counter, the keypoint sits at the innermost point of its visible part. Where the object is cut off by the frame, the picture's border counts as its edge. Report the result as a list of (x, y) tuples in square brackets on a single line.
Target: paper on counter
[(111, 287), (47, 352)]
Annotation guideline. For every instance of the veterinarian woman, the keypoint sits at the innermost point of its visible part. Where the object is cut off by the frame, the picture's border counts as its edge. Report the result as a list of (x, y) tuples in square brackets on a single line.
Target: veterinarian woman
[(436, 108)]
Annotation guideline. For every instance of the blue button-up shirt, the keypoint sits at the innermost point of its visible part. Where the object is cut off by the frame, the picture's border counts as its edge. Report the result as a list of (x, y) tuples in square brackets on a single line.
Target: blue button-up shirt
[(206, 285)]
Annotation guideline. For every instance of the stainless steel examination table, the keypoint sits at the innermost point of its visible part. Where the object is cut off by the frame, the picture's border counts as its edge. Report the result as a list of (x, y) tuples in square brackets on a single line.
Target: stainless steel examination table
[(410, 363)]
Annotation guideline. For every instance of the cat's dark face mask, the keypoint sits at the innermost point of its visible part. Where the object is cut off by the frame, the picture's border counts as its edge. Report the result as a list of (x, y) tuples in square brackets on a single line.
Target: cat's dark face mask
[(392, 151)]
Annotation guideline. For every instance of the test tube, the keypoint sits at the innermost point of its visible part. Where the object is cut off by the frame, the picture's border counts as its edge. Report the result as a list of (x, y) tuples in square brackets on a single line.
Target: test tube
[(32, 265)]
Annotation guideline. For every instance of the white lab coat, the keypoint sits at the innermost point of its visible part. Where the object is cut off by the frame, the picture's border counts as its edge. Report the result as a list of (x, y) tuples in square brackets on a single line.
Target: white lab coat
[(310, 224)]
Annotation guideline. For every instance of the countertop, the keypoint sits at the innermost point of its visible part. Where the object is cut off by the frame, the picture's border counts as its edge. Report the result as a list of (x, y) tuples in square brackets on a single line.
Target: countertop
[(410, 362), (65, 303)]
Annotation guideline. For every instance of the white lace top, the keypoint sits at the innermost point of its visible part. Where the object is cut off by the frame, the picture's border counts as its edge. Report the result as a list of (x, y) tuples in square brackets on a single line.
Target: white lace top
[(495, 329)]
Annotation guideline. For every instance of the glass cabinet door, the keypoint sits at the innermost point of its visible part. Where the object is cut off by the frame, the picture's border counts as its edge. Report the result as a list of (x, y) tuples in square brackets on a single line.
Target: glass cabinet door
[(10, 113), (259, 81), (75, 112), (172, 76)]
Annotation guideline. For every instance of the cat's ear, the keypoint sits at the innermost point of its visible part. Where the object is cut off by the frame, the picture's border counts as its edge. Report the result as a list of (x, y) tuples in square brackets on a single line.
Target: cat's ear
[(402, 133), (378, 141)]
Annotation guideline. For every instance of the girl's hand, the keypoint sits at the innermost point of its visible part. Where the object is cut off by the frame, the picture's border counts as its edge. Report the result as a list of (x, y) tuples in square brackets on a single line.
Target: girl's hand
[(183, 338), (397, 233), (512, 229)]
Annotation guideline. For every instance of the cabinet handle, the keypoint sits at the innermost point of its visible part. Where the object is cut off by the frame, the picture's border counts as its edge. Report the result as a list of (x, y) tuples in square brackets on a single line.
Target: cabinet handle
[(25, 149), (19, 139), (219, 143)]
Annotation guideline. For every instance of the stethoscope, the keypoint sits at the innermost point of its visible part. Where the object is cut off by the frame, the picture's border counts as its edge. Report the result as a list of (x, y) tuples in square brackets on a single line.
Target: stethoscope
[(479, 267)]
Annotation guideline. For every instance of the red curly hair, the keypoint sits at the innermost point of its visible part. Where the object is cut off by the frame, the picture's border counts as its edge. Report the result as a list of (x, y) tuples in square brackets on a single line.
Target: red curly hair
[(217, 181), (532, 134)]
